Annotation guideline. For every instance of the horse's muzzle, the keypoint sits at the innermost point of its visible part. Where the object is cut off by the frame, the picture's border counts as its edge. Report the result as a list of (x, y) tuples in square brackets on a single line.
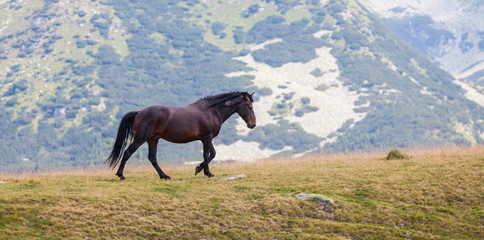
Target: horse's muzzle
[(251, 125)]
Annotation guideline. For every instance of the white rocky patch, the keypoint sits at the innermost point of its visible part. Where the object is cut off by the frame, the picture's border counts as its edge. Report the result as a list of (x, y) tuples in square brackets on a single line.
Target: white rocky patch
[(425, 91), (334, 102), (262, 45), (471, 93), (465, 130), (244, 151), (321, 33)]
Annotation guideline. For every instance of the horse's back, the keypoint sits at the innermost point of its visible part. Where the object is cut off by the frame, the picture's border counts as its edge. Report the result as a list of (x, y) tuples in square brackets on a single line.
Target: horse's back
[(154, 111), (174, 124)]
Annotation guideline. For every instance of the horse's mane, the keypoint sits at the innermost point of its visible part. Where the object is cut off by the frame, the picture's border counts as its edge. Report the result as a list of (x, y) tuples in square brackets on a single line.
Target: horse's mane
[(224, 98)]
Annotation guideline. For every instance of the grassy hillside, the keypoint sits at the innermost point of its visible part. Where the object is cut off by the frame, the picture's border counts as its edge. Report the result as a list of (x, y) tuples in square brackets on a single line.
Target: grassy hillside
[(433, 194)]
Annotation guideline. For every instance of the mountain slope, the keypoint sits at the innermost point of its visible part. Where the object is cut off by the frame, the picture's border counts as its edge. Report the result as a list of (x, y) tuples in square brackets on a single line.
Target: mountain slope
[(328, 76), (445, 31), (393, 92)]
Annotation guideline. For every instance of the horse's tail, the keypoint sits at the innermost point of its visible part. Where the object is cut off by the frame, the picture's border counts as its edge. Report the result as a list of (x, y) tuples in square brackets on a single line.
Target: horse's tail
[(125, 134)]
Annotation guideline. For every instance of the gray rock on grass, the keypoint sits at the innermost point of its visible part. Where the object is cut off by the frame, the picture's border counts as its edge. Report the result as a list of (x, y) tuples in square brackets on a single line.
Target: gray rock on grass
[(233, 178), (326, 204), (315, 198)]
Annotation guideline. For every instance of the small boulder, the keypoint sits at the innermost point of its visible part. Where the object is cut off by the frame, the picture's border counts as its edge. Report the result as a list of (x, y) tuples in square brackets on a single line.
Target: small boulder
[(320, 198), (326, 204), (233, 178)]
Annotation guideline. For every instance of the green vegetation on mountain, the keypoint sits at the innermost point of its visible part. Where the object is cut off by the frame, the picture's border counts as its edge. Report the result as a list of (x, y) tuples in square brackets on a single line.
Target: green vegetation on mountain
[(71, 69), (424, 43), (396, 118)]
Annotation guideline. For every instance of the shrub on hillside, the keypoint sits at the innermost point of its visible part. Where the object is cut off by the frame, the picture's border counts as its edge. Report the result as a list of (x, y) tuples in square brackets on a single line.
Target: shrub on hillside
[(396, 154)]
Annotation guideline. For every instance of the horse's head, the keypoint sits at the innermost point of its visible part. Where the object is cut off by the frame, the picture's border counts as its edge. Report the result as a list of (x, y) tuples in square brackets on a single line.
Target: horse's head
[(246, 111)]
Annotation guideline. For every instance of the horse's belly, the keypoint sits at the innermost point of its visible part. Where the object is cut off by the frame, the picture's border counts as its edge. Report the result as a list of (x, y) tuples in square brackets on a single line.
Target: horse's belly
[(178, 139), (181, 132)]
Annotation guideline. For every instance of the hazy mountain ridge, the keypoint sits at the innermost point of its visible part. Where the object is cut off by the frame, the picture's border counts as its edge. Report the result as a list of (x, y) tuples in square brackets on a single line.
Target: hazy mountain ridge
[(445, 31), (111, 57)]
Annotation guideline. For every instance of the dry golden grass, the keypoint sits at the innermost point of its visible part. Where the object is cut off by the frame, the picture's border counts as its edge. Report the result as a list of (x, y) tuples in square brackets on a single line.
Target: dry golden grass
[(432, 195)]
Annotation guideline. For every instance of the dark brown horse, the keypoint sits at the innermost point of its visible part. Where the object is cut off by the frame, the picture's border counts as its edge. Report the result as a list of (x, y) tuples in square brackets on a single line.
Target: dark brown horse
[(200, 120)]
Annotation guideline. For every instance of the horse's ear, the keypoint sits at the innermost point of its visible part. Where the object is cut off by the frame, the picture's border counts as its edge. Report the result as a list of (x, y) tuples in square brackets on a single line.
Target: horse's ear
[(249, 96), (252, 96)]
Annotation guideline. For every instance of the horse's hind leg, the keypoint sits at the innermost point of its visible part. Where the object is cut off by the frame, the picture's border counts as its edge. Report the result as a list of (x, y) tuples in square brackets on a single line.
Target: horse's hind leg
[(152, 146), (129, 151)]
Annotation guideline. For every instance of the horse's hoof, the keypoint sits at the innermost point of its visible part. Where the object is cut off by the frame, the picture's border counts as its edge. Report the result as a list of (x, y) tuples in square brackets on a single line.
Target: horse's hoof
[(168, 178), (210, 175), (121, 177), (198, 169)]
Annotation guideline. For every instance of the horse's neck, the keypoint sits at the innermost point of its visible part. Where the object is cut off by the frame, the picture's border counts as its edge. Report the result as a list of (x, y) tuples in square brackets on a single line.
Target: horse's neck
[(224, 113)]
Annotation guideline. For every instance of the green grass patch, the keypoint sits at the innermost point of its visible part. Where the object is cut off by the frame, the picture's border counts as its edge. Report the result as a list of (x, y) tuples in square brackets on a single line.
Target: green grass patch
[(171, 190), (242, 188)]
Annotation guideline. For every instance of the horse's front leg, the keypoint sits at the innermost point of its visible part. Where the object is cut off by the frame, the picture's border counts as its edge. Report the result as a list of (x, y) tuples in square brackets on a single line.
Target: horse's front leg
[(208, 155)]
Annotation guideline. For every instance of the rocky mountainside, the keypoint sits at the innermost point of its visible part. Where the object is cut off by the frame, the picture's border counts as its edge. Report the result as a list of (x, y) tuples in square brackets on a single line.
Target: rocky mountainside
[(328, 77), (448, 32)]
